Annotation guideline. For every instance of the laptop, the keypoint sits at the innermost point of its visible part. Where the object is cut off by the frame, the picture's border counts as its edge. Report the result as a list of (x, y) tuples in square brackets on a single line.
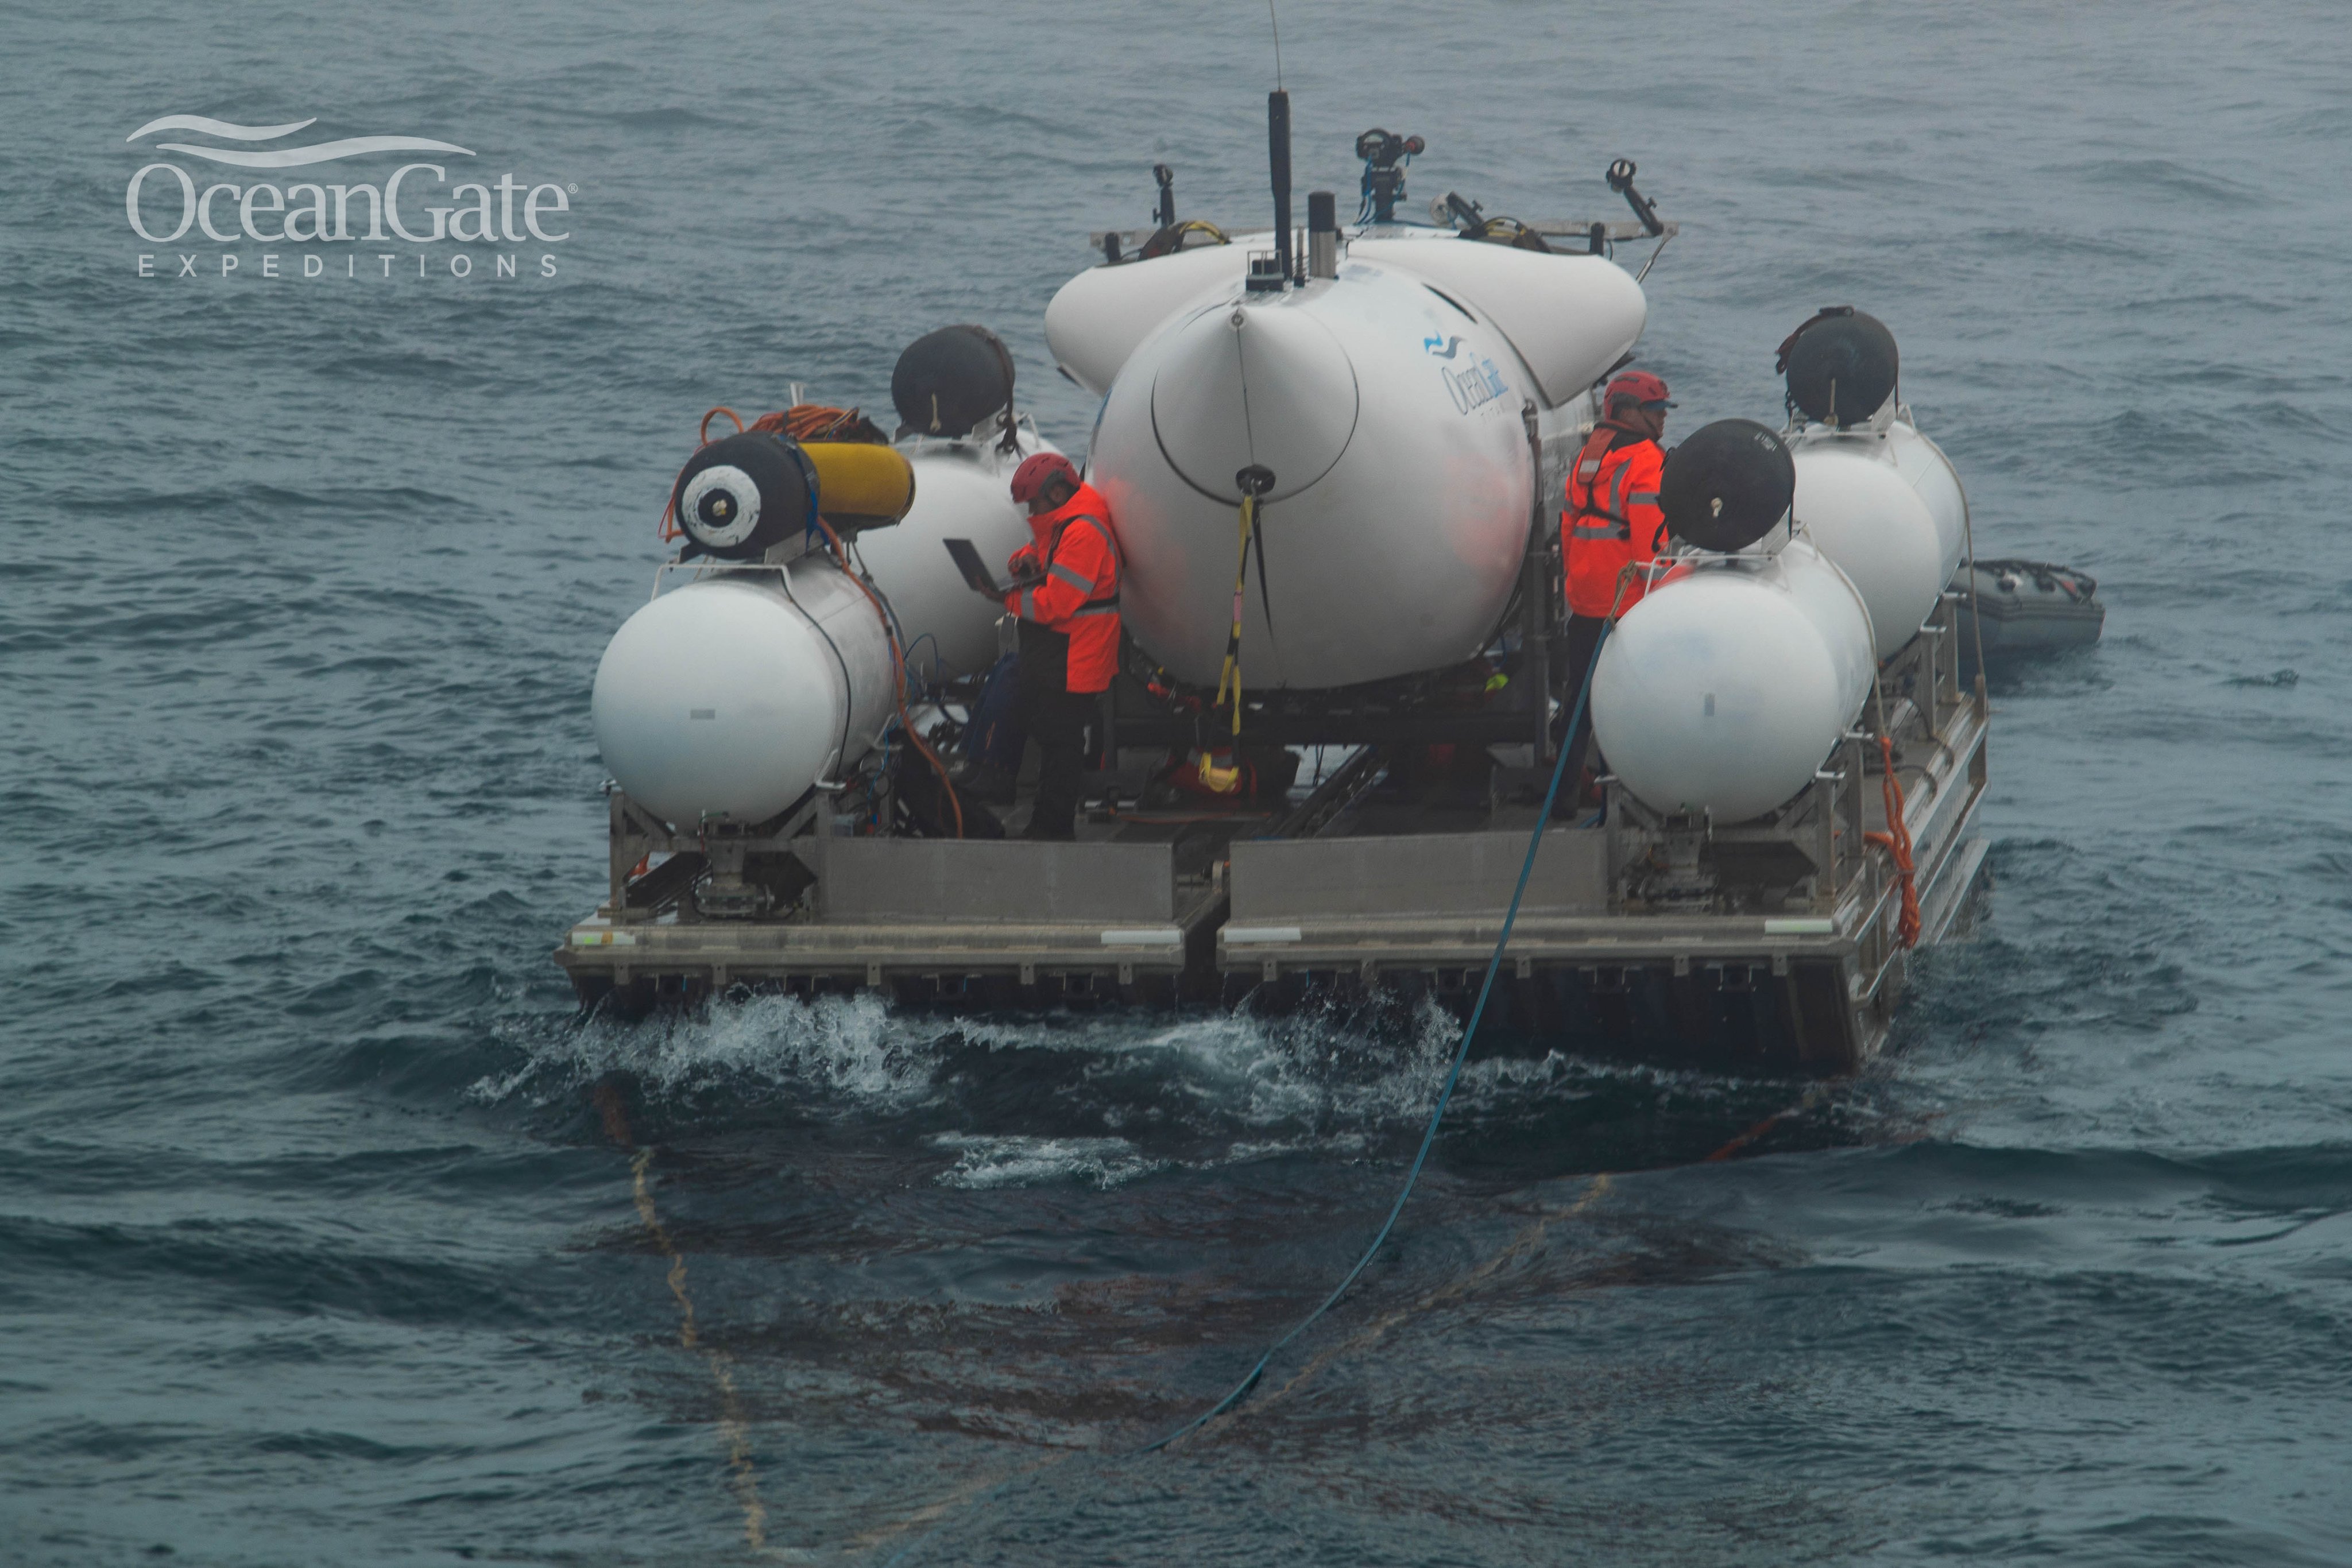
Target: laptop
[(975, 572)]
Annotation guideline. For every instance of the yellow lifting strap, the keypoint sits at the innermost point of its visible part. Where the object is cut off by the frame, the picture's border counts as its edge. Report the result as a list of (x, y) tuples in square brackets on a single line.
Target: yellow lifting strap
[(1232, 672), (1223, 779)]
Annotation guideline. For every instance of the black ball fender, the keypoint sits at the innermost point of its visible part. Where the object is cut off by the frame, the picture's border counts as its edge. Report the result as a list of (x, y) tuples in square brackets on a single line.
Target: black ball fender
[(1842, 368), (1728, 485), (742, 494)]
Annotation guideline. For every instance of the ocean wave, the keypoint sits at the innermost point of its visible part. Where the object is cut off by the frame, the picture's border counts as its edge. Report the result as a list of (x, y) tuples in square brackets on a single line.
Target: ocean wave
[(984, 1161), (847, 1051)]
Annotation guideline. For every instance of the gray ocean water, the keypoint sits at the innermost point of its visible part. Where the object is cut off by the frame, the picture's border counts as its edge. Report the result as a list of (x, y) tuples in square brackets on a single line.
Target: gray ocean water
[(315, 1246)]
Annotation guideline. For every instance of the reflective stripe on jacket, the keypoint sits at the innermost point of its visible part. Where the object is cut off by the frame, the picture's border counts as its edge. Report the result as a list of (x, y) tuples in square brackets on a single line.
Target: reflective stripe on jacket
[(1612, 518), (1077, 603)]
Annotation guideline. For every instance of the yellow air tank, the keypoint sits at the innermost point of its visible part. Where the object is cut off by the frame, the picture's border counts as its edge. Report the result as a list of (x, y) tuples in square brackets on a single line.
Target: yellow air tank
[(860, 483)]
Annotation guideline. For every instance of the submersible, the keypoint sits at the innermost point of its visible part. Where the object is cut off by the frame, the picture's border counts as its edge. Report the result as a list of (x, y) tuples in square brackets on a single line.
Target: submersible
[(1334, 459)]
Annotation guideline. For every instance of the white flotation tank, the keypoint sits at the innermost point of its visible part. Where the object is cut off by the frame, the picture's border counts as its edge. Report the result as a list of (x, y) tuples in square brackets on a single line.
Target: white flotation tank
[(1859, 510), (1389, 416), (729, 697), (1097, 320), (1724, 689), (1570, 317), (1921, 462), (1844, 377), (962, 490)]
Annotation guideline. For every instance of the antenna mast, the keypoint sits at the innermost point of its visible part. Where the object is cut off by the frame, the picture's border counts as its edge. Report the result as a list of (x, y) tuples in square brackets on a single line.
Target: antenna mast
[(1278, 138)]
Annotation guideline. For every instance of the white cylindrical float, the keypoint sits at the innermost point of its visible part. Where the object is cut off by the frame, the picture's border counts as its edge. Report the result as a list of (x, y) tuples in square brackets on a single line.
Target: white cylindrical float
[(727, 697), (962, 490), (1722, 691), (1864, 516), (1923, 465), (1844, 374)]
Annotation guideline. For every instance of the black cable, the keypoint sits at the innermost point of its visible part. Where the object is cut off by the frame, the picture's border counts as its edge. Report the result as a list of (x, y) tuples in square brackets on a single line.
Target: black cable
[(1446, 1096)]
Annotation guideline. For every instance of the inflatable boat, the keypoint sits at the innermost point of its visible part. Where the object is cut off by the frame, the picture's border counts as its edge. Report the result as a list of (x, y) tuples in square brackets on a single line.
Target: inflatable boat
[(2027, 609)]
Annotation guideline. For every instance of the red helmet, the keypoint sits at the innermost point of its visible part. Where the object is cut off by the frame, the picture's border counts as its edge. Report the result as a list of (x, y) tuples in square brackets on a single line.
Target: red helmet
[(1636, 386), (1031, 476)]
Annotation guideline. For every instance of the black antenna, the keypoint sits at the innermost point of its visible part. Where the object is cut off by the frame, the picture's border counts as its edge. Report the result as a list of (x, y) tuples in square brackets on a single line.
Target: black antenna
[(1166, 178), (1270, 16), (1277, 138)]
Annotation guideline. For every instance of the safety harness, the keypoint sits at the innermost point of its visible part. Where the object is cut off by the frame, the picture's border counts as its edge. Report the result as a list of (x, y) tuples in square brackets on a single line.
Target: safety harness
[(1613, 523)]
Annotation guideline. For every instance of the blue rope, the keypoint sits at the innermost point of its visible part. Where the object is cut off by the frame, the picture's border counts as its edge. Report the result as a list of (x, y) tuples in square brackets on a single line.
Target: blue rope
[(1428, 1139), (1461, 1054)]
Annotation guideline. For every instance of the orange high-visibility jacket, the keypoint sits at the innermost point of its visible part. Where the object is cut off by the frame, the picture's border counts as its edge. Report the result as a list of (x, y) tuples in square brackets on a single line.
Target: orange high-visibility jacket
[(1078, 601), (1613, 519)]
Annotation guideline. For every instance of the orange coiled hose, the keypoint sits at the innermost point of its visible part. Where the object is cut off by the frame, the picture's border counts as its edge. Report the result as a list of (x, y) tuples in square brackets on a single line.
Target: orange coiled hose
[(819, 421), (669, 529), (1897, 842)]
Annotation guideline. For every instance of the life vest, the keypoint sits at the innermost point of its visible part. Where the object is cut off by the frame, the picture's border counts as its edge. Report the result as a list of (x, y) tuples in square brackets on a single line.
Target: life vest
[(1613, 519), (1069, 622)]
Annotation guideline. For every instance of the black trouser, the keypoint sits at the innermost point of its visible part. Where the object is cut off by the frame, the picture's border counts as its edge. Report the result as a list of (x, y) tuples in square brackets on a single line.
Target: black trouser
[(1573, 657), (1056, 720)]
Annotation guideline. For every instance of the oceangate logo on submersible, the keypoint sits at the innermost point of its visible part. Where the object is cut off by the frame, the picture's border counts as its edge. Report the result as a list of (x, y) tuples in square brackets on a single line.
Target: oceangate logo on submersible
[(414, 207), (1477, 382)]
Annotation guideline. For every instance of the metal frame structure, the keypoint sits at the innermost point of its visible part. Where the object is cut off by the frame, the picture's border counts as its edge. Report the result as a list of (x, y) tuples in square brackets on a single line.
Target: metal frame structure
[(1767, 946)]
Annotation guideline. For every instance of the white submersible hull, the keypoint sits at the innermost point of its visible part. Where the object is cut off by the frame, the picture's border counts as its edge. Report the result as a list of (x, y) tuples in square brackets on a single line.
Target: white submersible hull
[(1390, 411)]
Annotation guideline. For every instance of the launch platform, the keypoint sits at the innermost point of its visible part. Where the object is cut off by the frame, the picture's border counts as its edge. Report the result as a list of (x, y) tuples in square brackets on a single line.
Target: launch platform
[(1771, 947), (1363, 484)]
